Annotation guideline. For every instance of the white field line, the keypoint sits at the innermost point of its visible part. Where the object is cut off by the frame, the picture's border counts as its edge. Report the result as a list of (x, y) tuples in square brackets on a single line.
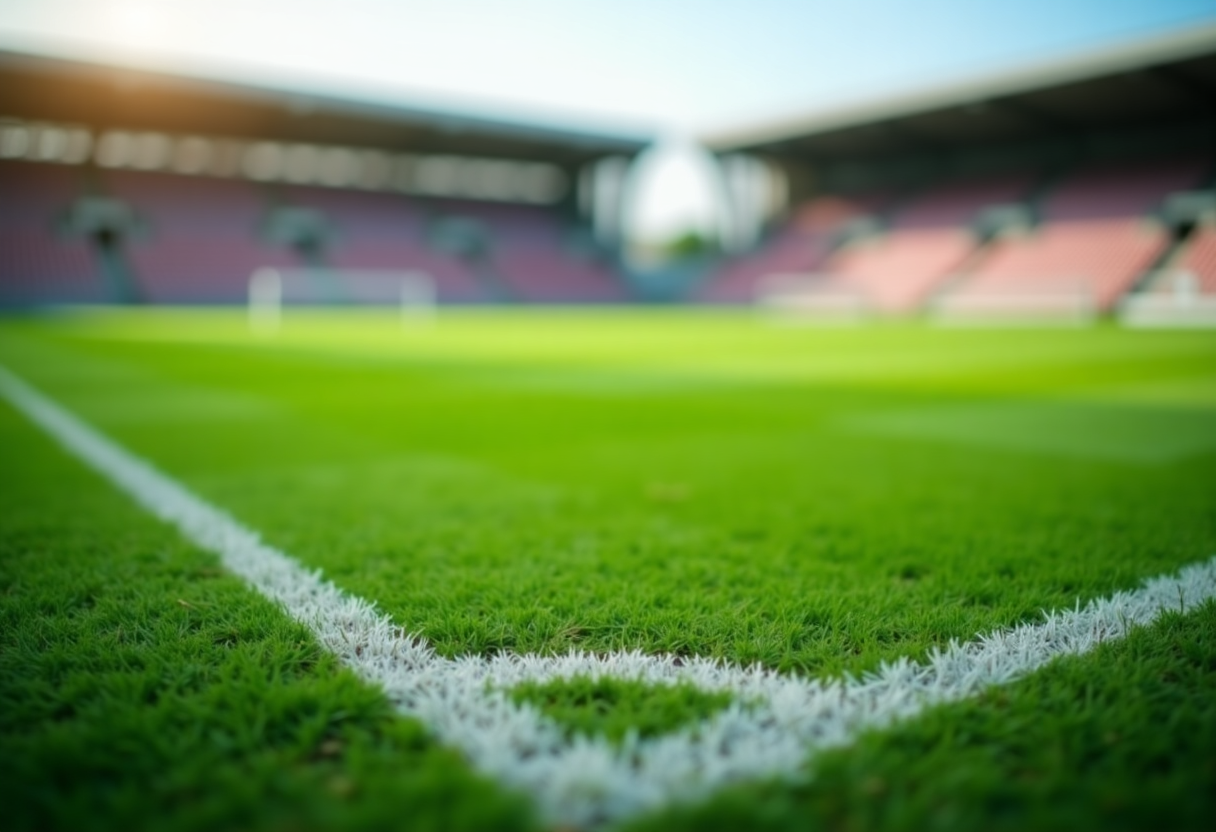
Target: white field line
[(587, 781)]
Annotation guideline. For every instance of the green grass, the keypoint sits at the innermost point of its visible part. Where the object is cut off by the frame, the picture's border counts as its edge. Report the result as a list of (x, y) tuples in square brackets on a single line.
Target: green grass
[(142, 688), (690, 483), (1121, 739), (616, 708)]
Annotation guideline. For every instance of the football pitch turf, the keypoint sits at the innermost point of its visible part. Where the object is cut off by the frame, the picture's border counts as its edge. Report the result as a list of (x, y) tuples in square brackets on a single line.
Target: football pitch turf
[(695, 484)]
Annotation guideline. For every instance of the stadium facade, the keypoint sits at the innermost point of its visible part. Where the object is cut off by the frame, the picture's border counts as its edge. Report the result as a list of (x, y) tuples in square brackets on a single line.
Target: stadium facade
[(1055, 190), (1060, 190), (130, 185)]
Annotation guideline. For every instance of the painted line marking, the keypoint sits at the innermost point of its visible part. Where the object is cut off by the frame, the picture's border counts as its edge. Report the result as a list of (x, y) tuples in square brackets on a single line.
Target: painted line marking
[(587, 781)]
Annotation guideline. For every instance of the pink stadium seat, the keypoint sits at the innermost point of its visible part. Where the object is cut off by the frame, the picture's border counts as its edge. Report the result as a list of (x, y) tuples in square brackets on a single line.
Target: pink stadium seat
[(453, 281), (174, 204), (798, 246), (34, 194), (957, 204), (380, 231), (360, 214), (1094, 236), (739, 280), (896, 272), (827, 214), (507, 223), (202, 242), (1121, 191), (1099, 257), (786, 253), (37, 265), (202, 267), (546, 274), (526, 250), (929, 241)]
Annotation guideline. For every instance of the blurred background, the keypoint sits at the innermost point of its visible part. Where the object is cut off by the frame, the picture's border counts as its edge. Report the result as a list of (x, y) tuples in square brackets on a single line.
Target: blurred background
[(1039, 161)]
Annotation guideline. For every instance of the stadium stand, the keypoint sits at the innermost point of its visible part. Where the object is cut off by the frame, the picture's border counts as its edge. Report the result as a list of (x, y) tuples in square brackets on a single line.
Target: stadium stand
[(378, 231), (929, 240), (797, 246), (38, 264), (549, 275), (1096, 236), (1200, 259), (1182, 292), (196, 182), (519, 251), (198, 239), (360, 213), (1102, 231), (528, 253)]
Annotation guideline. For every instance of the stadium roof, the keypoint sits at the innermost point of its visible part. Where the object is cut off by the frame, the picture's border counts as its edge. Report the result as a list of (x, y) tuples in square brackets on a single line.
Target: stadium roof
[(103, 95), (1156, 81)]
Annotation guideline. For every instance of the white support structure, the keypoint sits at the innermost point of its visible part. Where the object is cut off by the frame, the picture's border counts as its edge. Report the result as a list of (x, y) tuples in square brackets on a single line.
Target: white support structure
[(265, 301), (1032, 302), (1180, 305), (413, 292)]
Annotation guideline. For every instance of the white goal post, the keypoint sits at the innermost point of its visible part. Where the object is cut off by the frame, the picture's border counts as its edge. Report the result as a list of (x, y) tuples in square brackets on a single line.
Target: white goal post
[(270, 289)]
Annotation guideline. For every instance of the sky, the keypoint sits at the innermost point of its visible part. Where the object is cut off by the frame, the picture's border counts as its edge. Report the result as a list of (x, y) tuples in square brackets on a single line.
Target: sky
[(674, 68), (668, 65)]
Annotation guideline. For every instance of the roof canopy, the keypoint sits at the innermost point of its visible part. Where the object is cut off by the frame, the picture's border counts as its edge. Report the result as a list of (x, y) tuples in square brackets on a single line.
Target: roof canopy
[(103, 96), (1163, 81)]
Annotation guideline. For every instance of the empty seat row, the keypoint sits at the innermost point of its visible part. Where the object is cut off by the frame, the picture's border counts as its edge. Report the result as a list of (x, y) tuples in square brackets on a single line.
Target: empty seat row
[(1095, 236), (39, 261), (800, 245), (197, 239)]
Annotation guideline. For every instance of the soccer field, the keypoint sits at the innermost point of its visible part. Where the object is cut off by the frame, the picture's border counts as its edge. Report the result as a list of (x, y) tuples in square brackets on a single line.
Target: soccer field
[(688, 485)]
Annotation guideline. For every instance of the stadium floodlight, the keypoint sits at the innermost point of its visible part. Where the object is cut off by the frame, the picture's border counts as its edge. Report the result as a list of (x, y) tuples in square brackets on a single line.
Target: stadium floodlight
[(270, 289)]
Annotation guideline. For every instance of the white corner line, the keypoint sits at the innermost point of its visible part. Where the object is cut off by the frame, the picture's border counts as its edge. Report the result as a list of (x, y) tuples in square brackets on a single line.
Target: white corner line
[(588, 781)]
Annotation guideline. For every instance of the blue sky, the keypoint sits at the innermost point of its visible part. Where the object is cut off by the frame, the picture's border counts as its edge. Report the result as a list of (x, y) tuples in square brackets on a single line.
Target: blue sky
[(676, 65)]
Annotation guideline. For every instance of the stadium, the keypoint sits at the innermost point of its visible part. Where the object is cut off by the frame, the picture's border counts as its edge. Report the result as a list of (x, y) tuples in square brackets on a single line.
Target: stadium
[(368, 465)]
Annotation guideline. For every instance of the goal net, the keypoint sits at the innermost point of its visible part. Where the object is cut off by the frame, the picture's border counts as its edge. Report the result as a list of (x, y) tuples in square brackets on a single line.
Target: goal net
[(412, 293)]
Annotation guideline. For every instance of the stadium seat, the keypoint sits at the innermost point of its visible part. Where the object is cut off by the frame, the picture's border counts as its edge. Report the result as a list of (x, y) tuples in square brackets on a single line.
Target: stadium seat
[(546, 274), (200, 243), (379, 231), (1095, 236), (928, 242), (527, 255), (798, 246), (360, 214), (38, 265)]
